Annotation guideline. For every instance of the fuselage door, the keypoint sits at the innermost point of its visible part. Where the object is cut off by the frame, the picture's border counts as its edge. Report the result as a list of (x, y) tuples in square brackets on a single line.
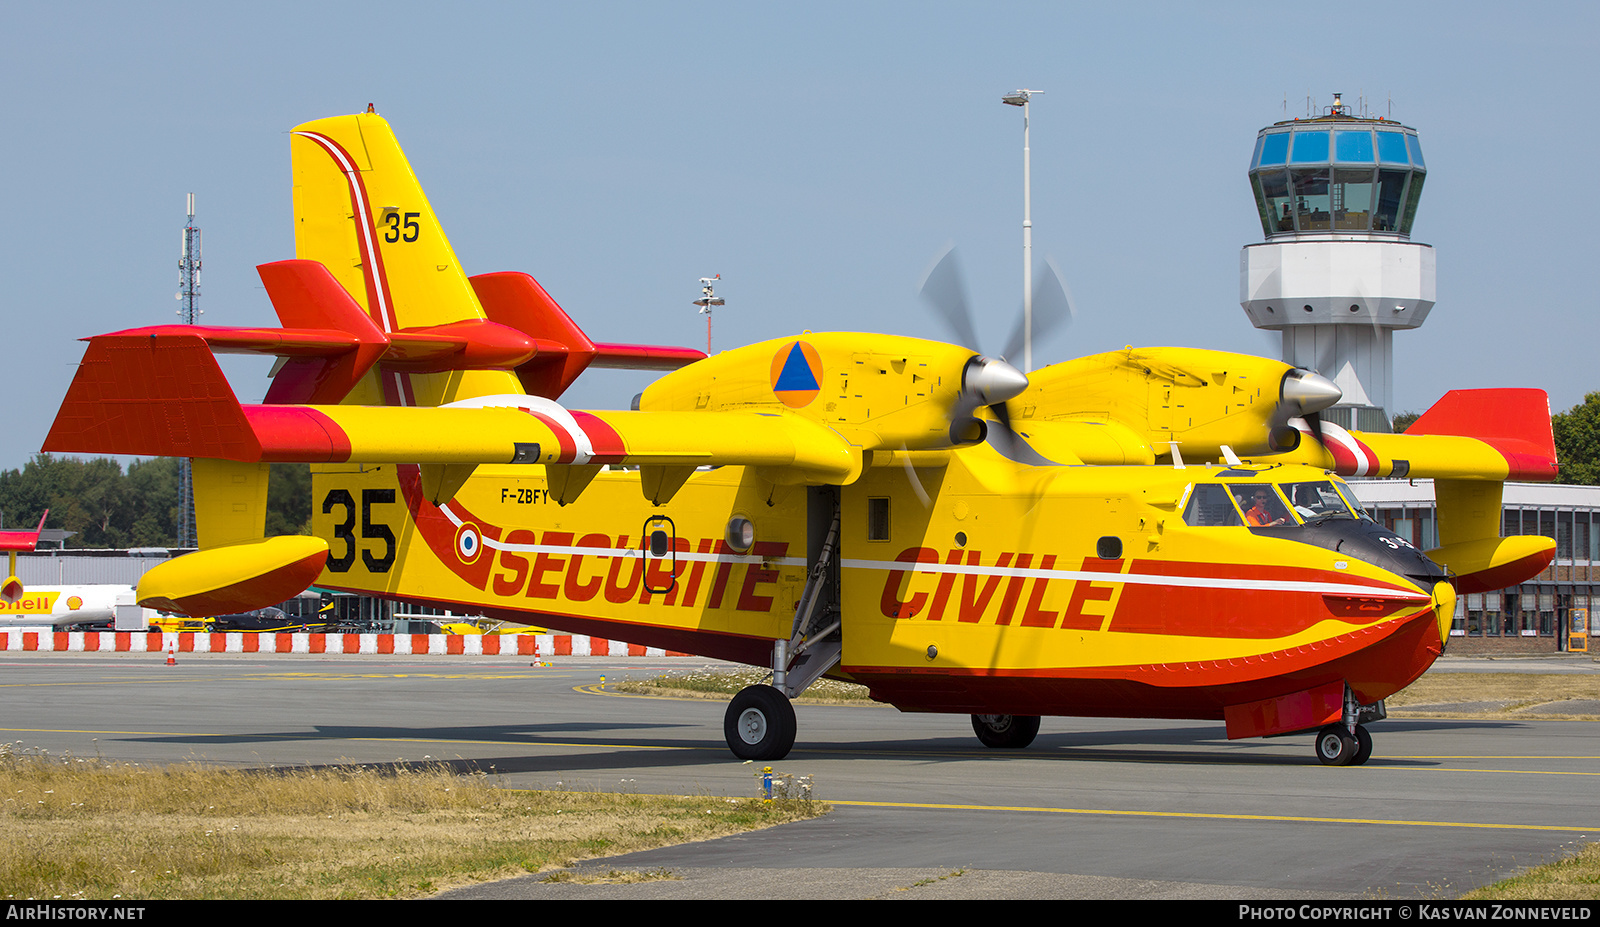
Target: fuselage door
[(660, 543)]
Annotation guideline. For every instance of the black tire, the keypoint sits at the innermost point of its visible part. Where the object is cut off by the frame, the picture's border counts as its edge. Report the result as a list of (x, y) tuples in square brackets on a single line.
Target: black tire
[(1006, 732), (1335, 746), (1363, 746), (759, 724)]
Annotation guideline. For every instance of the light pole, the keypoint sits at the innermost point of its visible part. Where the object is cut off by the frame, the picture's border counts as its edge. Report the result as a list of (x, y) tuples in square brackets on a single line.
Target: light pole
[(1020, 98), (708, 298)]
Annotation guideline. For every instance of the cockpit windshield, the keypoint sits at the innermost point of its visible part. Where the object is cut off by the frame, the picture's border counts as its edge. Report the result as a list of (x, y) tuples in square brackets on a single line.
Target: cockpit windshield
[(1261, 506), (1317, 500)]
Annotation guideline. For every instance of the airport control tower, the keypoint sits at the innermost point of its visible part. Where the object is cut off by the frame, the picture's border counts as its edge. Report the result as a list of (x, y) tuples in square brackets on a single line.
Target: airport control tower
[(1339, 272)]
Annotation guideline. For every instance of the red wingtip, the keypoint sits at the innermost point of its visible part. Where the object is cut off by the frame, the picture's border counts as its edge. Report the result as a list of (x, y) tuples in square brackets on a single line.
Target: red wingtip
[(158, 396), (1515, 422)]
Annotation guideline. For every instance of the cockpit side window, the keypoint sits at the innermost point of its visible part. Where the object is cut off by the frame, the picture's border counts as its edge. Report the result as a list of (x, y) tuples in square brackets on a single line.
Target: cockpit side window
[(1351, 500), (1210, 507), (1317, 499), (1261, 506)]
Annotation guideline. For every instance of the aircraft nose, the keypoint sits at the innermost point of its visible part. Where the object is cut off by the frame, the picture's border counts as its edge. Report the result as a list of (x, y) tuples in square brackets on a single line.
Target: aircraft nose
[(1309, 390), (991, 380)]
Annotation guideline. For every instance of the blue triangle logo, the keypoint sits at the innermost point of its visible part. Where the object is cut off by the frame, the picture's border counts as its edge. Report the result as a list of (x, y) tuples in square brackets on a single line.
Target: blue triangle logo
[(796, 373)]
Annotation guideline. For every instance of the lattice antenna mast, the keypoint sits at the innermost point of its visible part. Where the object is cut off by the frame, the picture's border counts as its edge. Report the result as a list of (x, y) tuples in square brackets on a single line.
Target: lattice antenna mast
[(189, 311)]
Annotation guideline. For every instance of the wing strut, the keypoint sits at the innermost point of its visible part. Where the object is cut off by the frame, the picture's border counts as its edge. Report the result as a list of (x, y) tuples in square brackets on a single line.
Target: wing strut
[(814, 645)]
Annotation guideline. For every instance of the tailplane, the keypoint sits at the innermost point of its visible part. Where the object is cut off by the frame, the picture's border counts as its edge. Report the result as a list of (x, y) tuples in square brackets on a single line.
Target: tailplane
[(361, 214)]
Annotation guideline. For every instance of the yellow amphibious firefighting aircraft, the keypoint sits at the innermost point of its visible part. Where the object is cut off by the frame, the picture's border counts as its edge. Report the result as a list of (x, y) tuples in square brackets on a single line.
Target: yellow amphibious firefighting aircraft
[(1154, 533)]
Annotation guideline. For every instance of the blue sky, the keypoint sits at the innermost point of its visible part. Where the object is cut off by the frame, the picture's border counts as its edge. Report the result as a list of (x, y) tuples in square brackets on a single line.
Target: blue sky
[(819, 156)]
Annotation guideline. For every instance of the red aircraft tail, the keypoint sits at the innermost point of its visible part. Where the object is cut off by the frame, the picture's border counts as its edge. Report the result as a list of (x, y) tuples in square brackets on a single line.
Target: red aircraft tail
[(328, 342)]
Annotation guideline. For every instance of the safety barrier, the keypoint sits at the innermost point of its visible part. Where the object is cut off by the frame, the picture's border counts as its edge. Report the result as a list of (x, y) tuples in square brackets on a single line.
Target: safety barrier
[(487, 645)]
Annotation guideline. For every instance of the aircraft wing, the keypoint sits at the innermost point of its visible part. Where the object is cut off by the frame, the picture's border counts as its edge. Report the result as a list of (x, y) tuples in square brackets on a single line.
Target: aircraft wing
[(164, 395), (1478, 434)]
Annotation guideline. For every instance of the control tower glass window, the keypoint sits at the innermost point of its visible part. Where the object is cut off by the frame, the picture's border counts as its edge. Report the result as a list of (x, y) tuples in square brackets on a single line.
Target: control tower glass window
[(1413, 193), (1272, 197), (1392, 148), (1353, 147), (1340, 176), (1310, 147), (1274, 149), (1311, 200), (1352, 199), (1391, 186)]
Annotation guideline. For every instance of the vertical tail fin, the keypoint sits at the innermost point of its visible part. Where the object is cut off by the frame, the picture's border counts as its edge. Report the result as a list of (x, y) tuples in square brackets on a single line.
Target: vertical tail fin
[(359, 210)]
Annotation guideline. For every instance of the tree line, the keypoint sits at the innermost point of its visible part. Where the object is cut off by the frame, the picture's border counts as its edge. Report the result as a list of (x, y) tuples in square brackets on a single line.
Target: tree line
[(110, 507)]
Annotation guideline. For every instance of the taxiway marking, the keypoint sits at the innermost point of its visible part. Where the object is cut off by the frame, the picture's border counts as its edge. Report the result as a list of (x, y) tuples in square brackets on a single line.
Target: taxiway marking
[(1201, 815)]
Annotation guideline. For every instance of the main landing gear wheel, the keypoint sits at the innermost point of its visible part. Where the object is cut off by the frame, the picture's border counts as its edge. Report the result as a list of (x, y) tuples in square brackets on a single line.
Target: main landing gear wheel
[(1363, 746), (1337, 747), (759, 724), (1006, 731)]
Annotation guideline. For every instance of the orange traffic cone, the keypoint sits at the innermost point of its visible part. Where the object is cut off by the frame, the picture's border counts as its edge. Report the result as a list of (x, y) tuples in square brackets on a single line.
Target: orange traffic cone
[(171, 658)]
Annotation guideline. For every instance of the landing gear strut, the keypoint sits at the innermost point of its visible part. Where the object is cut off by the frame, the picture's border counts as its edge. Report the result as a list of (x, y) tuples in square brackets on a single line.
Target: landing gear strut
[(759, 724), (1347, 742), (1006, 731)]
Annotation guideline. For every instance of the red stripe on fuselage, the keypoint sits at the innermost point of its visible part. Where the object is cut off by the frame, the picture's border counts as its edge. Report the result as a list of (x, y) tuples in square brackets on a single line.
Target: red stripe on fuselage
[(439, 531), (1377, 661), (1231, 612)]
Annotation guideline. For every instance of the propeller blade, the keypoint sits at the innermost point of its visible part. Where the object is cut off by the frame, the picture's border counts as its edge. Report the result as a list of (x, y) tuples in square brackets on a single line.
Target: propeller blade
[(943, 290), (1003, 437), (1052, 308), (1314, 419)]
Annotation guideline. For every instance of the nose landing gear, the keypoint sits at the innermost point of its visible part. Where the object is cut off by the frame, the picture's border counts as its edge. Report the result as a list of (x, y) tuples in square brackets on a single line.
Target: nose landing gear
[(1336, 746), (1347, 742)]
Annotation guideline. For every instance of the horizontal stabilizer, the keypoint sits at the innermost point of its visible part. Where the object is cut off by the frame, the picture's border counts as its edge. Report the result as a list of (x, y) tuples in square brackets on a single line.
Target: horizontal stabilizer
[(165, 395), (148, 395), (23, 540), (643, 356), (517, 300)]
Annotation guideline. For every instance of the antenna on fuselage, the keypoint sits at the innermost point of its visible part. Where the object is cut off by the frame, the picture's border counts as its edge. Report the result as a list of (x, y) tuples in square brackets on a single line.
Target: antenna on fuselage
[(1177, 458)]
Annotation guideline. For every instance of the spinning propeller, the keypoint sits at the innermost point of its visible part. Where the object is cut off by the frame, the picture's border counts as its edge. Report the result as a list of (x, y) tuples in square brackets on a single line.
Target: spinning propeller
[(990, 381)]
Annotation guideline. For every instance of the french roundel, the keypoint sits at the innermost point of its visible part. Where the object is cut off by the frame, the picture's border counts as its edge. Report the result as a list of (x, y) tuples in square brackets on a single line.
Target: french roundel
[(796, 374), (468, 542)]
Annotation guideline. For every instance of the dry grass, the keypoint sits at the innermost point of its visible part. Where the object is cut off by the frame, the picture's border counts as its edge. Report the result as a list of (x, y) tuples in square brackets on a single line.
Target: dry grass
[(1520, 691), (720, 685), (1575, 878), (75, 829)]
